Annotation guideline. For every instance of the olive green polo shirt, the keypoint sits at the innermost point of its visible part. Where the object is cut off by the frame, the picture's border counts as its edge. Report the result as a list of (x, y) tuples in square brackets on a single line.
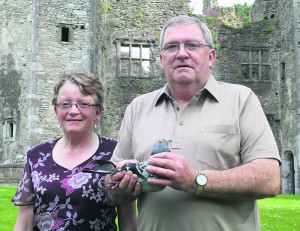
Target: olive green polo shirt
[(222, 127)]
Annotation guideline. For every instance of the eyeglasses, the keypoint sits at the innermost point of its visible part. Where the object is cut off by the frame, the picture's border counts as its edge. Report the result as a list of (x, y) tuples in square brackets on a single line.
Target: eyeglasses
[(189, 46), (79, 105)]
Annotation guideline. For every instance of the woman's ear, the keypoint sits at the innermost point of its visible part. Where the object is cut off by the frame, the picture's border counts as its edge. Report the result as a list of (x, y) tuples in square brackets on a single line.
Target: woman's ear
[(55, 110), (98, 114)]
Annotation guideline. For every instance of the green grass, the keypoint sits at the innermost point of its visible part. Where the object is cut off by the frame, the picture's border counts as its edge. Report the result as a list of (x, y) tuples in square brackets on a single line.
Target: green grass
[(281, 213), (8, 212)]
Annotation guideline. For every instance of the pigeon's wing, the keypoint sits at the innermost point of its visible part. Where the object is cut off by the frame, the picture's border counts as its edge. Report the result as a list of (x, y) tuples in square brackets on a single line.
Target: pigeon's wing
[(140, 169), (101, 166)]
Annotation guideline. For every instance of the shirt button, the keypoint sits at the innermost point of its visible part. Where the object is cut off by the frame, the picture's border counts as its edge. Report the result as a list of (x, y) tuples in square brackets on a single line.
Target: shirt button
[(177, 108), (181, 123)]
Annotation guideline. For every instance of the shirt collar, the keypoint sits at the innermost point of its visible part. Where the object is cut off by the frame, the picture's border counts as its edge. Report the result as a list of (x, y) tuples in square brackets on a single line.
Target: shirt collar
[(211, 86), (163, 94)]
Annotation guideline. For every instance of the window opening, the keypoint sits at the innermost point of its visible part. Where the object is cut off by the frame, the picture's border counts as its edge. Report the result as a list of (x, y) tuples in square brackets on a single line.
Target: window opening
[(282, 71), (134, 59), (65, 34), (9, 130), (255, 65)]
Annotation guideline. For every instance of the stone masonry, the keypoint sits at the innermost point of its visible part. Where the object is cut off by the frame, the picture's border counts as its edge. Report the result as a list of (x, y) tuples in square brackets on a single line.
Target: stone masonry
[(118, 40)]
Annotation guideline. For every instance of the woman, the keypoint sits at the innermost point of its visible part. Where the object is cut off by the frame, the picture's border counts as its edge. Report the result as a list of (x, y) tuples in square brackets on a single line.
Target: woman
[(54, 194)]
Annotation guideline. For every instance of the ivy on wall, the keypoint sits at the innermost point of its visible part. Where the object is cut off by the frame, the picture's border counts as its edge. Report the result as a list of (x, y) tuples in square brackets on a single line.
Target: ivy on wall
[(235, 17)]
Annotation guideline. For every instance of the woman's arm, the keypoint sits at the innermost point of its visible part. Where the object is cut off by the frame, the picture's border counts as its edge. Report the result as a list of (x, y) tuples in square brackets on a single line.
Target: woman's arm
[(24, 219), (127, 217)]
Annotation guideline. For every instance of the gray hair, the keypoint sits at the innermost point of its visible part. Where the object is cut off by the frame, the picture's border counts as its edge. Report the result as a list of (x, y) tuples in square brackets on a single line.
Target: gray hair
[(184, 19), (87, 83)]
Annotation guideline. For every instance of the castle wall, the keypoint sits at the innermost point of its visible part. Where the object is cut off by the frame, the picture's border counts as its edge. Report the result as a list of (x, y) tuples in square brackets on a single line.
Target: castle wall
[(135, 21), (33, 53), (119, 42)]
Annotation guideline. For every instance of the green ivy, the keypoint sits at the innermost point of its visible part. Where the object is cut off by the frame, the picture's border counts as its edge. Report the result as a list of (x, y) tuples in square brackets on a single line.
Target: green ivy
[(107, 6)]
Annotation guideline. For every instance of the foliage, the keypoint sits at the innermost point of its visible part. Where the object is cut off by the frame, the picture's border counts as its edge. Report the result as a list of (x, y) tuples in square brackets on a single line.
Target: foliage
[(212, 20), (216, 40), (234, 18), (243, 11), (107, 6)]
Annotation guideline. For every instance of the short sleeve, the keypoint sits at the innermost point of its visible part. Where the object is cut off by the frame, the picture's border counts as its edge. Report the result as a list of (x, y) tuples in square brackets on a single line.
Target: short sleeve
[(123, 149), (257, 137), (25, 192)]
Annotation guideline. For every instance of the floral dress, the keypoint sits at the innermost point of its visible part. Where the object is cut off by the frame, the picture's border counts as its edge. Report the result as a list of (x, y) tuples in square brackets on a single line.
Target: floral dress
[(66, 199)]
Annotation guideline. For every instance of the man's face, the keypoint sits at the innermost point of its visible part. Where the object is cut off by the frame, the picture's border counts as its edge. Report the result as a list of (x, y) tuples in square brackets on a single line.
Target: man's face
[(185, 65)]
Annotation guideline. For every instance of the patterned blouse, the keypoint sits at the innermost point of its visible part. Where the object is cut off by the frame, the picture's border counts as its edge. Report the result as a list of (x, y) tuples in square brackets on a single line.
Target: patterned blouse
[(66, 199)]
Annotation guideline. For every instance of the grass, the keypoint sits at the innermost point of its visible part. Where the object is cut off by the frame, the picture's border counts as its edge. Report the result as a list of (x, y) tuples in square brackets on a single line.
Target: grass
[(277, 214), (280, 213), (8, 212)]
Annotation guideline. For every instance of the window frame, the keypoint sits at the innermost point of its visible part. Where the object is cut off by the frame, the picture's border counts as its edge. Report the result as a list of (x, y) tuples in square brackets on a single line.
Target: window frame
[(9, 130), (251, 63), (140, 44), (70, 27)]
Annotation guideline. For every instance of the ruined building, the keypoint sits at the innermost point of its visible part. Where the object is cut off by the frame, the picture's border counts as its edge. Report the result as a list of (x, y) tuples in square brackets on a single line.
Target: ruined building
[(118, 41)]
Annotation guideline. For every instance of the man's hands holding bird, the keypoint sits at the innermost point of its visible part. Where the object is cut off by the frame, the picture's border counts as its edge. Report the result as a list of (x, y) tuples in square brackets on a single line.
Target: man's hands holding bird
[(130, 177), (174, 171)]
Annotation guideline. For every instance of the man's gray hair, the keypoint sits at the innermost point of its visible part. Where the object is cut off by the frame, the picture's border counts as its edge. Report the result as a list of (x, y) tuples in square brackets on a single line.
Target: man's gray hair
[(184, 19)]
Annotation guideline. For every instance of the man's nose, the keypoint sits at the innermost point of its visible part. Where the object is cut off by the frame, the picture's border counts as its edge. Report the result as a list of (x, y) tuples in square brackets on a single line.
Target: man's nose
[(182, 53)]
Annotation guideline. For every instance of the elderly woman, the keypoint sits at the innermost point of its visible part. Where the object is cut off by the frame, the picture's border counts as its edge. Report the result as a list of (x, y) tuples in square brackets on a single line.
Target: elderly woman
[(54, 193)]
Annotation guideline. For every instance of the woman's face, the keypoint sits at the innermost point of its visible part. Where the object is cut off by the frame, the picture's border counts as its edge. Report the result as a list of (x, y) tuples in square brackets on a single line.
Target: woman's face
[(75, 120)]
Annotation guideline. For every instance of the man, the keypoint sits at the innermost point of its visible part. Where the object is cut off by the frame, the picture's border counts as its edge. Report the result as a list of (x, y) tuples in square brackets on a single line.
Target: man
[(223, 153)]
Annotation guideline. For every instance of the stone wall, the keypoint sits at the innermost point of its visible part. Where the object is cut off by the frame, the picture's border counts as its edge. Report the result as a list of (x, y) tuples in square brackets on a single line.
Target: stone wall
[(32, 55), (263, 55), (134, 21)]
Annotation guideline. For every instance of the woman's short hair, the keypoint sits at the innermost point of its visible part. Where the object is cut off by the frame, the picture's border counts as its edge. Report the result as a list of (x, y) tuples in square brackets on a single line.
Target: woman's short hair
[(88, 84)]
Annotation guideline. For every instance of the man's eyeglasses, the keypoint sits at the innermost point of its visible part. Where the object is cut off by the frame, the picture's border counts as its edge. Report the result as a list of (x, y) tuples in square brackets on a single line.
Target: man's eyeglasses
[(189, 46), (79, 105)]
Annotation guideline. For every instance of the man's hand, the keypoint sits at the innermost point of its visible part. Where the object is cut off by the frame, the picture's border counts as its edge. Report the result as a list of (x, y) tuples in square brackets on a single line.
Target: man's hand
[(122, 187), (174, 170)]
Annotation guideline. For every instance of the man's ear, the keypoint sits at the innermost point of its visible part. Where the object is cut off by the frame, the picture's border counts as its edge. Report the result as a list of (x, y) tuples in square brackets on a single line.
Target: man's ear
[(212, 56), (160, 58)]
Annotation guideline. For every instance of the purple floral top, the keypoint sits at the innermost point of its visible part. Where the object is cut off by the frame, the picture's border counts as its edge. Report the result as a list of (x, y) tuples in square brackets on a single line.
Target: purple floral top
[(66, 199)]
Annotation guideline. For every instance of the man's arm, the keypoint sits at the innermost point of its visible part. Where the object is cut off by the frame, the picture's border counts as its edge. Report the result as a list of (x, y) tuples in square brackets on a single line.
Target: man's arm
[(24, 219), (256, 179)]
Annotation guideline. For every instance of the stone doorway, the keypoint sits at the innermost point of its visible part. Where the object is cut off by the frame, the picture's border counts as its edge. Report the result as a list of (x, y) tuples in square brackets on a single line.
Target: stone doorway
[(288, 172)]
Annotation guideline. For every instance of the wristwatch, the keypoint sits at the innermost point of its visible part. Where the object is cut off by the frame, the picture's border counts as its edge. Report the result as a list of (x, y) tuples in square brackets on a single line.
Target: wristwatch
[(201, 180)]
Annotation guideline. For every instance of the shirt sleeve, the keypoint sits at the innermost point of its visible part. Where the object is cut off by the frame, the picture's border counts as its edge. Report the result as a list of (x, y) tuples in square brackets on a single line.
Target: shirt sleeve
[(25, 192), (257, 139), (123, 150)]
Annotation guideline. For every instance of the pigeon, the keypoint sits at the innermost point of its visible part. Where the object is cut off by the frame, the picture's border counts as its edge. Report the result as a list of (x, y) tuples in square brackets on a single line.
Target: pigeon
[(140, 168)]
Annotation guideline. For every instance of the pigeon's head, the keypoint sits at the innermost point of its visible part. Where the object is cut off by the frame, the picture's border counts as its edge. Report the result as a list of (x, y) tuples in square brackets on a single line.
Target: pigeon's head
[(161, 145)]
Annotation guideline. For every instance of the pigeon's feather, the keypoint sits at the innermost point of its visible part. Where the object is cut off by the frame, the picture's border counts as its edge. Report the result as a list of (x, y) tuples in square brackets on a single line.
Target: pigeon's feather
[(140, 168)]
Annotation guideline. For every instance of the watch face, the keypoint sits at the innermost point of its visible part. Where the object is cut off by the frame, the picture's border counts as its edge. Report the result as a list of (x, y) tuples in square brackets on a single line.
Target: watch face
[(201, 179)]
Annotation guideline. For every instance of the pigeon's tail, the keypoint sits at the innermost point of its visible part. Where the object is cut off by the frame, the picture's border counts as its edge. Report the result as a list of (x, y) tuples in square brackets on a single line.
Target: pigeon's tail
[(102, 166)]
